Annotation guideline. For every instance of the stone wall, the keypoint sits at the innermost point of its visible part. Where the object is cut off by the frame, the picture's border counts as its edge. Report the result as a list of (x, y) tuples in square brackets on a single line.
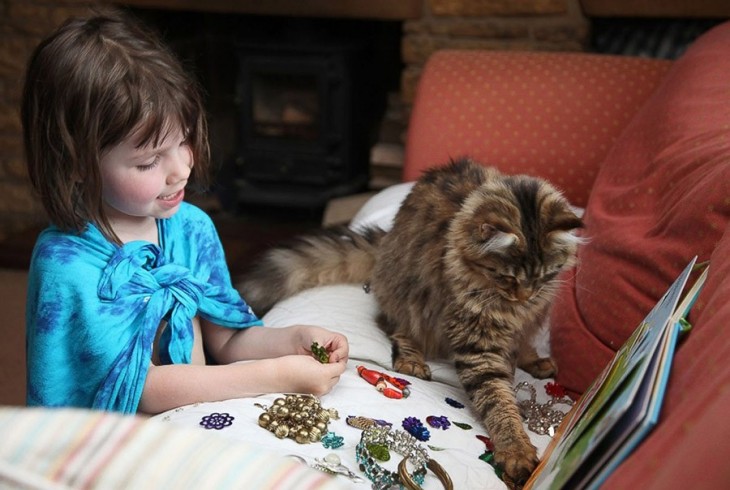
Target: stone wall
[(470, 24), (556, 25)]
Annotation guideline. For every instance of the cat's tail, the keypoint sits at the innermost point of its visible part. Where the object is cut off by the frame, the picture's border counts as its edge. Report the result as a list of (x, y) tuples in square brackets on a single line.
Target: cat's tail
[(329, 256)]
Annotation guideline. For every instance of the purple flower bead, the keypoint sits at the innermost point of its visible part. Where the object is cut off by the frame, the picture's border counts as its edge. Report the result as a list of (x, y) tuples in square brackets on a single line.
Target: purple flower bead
[(438, 422)]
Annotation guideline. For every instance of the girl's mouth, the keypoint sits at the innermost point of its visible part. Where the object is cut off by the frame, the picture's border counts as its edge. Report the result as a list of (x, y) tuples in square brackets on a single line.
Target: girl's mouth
[(173, 199)]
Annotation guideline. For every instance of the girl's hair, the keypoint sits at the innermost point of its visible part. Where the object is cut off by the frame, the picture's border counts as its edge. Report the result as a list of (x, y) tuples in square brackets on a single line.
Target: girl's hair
[(90, 85)]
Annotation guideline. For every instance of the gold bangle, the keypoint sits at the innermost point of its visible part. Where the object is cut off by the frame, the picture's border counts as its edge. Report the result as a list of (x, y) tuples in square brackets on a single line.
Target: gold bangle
[(432, 465)]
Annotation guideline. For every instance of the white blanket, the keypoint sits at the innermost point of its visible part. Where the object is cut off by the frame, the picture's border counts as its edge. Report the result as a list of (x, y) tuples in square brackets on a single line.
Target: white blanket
[(350, 310)]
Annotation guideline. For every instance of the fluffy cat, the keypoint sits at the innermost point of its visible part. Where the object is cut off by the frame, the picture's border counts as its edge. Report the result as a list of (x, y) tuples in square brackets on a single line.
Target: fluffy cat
[(467, 272)]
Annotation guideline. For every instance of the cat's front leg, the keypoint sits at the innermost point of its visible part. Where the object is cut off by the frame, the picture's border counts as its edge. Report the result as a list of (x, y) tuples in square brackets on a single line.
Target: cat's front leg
[(531, 362), (408, 358), (488, 384)]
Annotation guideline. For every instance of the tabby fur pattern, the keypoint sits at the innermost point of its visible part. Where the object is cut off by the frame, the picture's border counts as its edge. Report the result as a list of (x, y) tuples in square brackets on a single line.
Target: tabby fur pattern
[(467, 272)]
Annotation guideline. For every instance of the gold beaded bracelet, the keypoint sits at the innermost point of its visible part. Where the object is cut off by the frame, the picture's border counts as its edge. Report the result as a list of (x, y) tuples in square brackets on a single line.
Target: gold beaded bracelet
[(298, 417), (407, 446)]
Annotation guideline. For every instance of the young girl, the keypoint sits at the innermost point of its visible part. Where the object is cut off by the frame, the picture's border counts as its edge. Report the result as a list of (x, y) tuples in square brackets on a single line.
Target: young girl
[(129, 289)]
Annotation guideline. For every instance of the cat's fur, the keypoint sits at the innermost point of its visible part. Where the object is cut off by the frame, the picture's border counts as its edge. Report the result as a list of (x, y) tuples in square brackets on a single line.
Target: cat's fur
[(467, 272)]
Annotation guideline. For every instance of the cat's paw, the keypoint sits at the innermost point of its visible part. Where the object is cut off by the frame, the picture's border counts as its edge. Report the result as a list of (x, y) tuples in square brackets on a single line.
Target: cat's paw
[(541, 368), (412, 367), (518, 463)]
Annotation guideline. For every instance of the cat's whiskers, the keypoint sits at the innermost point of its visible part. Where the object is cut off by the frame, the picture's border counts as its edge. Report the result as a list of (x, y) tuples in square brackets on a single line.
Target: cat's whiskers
[(482, 299)]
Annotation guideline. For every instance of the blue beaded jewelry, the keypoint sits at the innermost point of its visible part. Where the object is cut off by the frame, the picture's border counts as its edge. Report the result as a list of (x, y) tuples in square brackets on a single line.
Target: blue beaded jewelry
[(406, 445), (396, 441), (332, 440)]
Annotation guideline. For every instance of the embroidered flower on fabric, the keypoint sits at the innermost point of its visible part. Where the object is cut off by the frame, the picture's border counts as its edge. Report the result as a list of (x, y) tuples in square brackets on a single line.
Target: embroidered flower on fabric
[(217, 420)]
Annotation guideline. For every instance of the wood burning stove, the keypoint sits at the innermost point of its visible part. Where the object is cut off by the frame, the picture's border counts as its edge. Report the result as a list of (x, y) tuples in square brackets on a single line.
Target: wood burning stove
[(303, 129)]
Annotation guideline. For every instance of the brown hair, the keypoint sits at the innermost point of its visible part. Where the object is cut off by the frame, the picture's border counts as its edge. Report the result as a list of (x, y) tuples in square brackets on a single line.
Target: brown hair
[(90, 85)]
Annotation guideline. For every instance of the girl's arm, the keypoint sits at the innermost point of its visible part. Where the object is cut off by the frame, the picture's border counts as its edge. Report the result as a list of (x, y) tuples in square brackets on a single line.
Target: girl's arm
[(281, 362), (175, 385), (227, 345)]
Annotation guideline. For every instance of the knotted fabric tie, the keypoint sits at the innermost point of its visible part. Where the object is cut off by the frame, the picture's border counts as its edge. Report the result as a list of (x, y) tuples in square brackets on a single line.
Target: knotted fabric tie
[(139, 284)]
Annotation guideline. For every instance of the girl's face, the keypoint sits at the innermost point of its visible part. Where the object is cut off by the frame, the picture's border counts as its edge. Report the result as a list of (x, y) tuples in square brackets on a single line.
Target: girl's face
[(140, 185)]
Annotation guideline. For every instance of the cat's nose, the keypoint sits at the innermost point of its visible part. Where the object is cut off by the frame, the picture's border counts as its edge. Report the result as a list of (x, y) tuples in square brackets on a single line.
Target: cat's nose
[(523, 294)]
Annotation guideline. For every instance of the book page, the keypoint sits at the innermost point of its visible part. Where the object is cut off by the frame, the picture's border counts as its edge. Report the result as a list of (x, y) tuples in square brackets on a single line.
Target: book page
[(613, 392)]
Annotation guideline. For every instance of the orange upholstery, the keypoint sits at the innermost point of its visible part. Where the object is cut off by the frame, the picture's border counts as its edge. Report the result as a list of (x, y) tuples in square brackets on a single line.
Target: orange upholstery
[(554, 115), (662, 196)]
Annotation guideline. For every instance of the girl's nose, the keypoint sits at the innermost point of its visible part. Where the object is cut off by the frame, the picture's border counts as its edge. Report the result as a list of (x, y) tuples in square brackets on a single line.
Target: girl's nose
[(181, 162)]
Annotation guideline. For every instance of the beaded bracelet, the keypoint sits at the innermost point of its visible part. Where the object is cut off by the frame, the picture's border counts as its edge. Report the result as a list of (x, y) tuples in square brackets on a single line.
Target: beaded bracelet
[(298, 417), (432, 465), (407, 446)]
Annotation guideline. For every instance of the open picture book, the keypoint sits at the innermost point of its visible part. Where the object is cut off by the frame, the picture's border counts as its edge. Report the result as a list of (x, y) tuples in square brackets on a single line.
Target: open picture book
[(623, 404)]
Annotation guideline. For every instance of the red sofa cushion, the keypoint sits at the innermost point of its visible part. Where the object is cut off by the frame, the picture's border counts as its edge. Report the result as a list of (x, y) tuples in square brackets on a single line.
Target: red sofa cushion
[(485, 105), (690, 450), (662, 196)]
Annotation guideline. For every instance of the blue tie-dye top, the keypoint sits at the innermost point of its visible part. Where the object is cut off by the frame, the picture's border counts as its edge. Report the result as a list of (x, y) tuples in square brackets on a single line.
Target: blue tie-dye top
[(94, 308)]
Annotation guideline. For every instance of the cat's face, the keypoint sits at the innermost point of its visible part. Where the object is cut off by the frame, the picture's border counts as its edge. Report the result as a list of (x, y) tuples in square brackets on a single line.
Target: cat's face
[(514, 236)]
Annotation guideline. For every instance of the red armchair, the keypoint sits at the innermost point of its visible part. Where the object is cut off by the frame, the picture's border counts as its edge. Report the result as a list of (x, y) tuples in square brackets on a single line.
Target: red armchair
[(644, 146)]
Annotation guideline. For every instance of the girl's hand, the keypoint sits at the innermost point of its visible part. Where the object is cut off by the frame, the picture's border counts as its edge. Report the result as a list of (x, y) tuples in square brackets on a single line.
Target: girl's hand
[(305, 374), (334, 343)]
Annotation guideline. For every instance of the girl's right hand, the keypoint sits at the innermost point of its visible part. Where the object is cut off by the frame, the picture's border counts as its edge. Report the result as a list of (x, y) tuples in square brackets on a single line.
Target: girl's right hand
[(305, 374)]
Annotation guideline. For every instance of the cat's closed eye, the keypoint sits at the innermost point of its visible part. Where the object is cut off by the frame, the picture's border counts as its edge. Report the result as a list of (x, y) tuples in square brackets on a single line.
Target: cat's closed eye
[(507, 279), (550, 275)]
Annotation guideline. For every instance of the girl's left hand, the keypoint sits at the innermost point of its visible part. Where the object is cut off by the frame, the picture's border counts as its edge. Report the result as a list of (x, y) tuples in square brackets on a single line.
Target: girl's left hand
[(334, 343)]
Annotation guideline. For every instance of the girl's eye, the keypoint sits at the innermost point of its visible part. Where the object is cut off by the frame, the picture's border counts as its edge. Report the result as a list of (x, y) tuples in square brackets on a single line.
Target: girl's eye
[(150, 165)]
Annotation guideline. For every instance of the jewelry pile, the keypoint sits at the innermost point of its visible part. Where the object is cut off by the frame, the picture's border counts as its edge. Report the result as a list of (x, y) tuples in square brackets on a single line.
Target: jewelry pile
[(541, 418), (298, 417), (407, 446)]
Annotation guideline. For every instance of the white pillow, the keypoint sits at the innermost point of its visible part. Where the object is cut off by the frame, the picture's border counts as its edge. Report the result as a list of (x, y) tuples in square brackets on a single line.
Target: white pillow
[(380, 210)]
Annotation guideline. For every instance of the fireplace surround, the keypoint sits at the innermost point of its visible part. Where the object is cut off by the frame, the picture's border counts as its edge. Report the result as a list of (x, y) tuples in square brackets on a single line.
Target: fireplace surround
[(303, 125)]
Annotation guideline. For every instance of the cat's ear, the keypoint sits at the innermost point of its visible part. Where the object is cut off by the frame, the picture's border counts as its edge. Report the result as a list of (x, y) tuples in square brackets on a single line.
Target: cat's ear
[(494, 239), (566, 221), (563, 226), (486, 231)]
